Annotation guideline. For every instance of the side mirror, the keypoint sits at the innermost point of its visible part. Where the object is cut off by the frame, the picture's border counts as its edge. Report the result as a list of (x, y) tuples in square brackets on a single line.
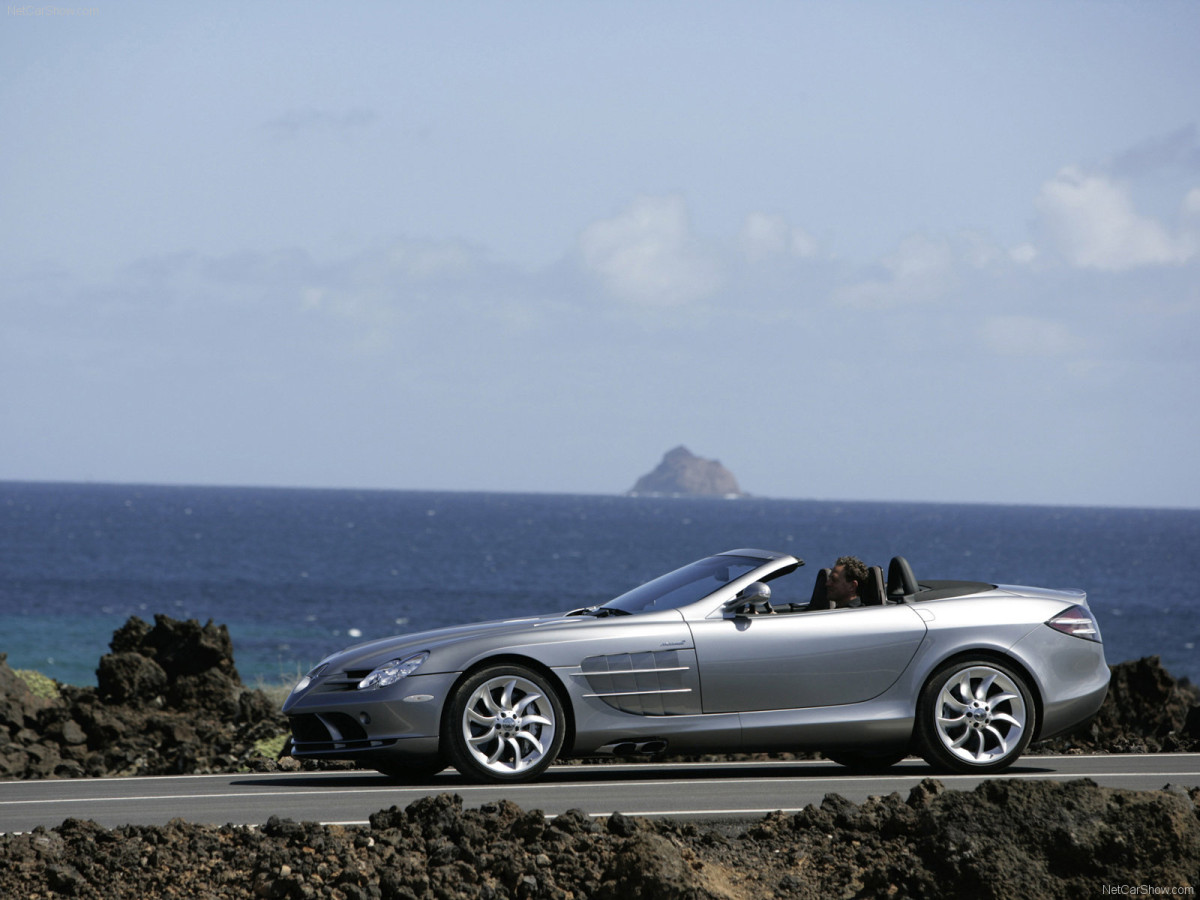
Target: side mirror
[(755, 597)]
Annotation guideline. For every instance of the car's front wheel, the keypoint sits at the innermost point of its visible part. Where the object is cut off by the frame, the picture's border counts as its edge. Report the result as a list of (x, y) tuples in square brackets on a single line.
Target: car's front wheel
[(505, 724), (974, 715)]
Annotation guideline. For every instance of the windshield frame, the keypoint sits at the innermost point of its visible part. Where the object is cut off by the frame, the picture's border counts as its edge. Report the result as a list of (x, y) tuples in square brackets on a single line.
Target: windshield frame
[(693, 583)]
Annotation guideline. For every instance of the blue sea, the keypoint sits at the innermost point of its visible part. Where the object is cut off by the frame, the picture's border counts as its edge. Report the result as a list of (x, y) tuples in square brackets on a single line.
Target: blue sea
[(296, 574)]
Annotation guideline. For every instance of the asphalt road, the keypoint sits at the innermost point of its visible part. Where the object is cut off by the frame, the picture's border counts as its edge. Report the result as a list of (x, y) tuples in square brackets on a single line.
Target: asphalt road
[(710, 791)]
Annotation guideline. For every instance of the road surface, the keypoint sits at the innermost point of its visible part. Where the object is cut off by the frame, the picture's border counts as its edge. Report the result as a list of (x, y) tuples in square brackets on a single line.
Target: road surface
[(744, 791)]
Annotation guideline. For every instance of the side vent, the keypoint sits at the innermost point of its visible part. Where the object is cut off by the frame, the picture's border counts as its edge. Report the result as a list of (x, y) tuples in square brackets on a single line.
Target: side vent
[(653, 683)]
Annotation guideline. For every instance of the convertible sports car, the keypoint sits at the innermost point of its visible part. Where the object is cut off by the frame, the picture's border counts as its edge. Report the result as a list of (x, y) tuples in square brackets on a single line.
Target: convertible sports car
[(732, 653)]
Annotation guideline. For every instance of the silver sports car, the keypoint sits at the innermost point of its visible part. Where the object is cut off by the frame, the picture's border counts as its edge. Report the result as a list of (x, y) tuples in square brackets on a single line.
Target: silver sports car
[(733, 653)]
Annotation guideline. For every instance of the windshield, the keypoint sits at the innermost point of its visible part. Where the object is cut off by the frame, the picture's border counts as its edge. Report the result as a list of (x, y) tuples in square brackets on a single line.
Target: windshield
[(684, 586)]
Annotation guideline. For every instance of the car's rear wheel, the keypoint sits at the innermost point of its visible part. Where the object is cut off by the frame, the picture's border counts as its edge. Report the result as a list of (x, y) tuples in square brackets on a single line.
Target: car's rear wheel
[(505, 724), (866, 760), (974, 715)]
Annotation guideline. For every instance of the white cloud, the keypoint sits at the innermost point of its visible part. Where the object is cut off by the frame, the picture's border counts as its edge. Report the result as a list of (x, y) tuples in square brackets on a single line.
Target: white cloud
[(430, 259), (1191, 203), (1029, 336), (1023, 254), (766, 235), (1190, 213), (648, 254), (1091, 221), (920, 270)]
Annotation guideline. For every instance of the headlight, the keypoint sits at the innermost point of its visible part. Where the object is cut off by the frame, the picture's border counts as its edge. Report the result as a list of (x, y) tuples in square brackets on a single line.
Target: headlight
[(1077, 621), (393, 671), (307, 679)]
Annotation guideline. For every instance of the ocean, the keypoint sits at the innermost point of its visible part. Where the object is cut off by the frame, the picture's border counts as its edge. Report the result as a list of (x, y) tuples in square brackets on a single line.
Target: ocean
[(296, 574)]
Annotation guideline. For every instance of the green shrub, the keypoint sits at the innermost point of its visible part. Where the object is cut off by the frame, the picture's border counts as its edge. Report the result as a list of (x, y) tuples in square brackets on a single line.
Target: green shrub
[(271, 747), (277, 690), (40, 685)]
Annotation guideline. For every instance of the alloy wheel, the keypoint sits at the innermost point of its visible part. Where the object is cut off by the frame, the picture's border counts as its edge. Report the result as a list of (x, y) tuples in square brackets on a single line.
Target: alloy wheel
[(509, 726), (981, 715)]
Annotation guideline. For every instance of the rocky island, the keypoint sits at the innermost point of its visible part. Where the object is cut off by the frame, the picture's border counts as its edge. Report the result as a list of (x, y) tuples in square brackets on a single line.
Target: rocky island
[(681, 473)]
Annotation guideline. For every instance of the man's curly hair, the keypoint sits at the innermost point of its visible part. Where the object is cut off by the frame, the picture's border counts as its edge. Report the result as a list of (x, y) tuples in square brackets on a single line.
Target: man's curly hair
[(855, 568)]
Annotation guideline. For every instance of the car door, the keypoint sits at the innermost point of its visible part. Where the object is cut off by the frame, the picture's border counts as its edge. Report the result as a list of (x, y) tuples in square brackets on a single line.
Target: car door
[(802, 659)]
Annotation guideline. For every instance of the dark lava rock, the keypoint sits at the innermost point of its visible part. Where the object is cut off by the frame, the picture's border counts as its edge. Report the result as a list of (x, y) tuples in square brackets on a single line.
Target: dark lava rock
[(130, 678), (168, 701), (1147, 710), (1004, 839), (682, 473)]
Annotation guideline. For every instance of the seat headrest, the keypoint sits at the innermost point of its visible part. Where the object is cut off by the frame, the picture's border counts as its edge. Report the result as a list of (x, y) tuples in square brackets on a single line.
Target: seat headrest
[(900, 580), (872, 592), (820, 600)]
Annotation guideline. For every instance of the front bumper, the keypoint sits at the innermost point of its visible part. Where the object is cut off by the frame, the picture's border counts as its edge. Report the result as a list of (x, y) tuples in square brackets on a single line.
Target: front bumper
[(402, 719)]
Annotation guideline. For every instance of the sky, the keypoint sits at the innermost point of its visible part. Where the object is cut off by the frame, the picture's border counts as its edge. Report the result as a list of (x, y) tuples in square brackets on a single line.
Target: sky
[(936, 251)]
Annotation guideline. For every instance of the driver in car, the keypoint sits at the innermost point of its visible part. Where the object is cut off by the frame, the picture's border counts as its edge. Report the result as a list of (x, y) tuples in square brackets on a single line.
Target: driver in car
[(842, 585)]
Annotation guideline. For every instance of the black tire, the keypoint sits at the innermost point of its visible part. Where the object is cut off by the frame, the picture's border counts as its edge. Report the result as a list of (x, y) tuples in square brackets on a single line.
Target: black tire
[(504, 724), (974, 715), (866, 761)]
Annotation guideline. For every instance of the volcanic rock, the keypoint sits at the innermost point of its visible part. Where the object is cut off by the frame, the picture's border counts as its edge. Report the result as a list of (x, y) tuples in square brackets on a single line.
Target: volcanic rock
[(682, 473), (168, 701), (1003, 839), (1147, 710)]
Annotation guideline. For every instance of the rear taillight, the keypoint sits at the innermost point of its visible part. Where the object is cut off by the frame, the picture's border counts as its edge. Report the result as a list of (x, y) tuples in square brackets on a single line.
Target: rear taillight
[(1077, 621)]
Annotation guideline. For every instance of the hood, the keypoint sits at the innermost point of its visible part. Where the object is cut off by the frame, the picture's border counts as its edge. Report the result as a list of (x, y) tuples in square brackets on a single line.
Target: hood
[(371, 654)]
